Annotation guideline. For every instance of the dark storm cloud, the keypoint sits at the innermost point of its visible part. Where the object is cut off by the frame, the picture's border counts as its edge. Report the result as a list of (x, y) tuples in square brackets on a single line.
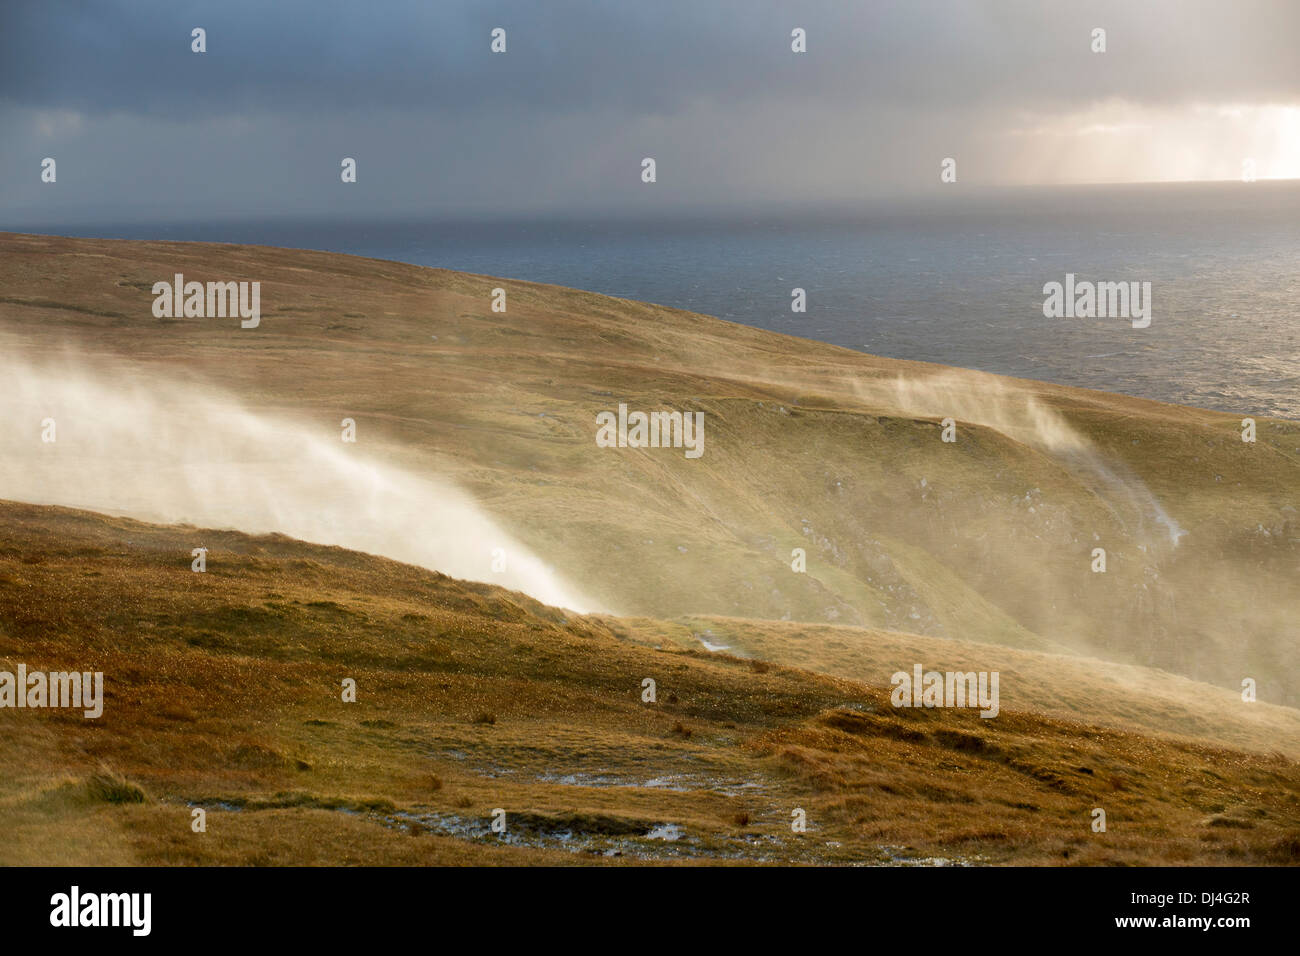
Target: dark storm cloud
[(571, 55), (709, 87)]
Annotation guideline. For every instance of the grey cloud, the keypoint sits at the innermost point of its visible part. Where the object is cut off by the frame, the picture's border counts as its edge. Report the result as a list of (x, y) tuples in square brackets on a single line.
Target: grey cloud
[(708, 87), (572, 55)]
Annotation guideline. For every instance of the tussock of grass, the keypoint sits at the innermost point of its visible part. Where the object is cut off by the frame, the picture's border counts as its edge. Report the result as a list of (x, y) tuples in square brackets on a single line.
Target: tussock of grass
[(109, 787), (103, 786)]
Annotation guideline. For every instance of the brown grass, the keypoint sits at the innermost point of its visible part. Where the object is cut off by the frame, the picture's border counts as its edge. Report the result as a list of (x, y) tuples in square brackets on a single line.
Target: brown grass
[(247, 722)]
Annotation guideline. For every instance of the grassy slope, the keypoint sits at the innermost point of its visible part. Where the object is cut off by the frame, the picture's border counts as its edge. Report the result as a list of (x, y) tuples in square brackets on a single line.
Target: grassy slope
[(808, 445), (223, 692), (224, 687)]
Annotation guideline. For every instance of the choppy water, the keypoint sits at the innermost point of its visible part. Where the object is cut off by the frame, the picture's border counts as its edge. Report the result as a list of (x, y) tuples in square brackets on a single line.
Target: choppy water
[(956, 280)]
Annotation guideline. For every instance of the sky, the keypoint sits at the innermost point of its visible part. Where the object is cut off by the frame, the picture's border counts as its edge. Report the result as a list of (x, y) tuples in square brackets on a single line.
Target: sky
[(144, 129)]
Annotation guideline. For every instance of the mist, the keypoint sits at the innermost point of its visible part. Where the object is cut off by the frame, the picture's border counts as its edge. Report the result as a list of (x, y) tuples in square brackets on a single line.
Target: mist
[(185, 453), (986, 400)]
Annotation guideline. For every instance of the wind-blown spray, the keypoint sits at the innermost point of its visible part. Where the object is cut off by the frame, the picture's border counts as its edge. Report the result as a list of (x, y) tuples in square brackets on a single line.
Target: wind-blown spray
[(988, 401), (186, 453)]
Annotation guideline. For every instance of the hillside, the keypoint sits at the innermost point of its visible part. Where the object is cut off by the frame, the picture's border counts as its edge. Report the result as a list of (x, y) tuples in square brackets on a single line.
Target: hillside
[(223, 693), (499, 586), (987, 539)]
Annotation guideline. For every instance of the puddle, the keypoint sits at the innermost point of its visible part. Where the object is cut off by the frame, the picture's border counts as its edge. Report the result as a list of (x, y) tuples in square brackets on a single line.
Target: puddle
[(673, 783), (611, 837), (667, 831), (896, 858), (648, 845)]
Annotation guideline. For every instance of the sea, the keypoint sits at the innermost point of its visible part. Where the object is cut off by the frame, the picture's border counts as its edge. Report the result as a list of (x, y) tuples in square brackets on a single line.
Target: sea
[(956, 278)]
